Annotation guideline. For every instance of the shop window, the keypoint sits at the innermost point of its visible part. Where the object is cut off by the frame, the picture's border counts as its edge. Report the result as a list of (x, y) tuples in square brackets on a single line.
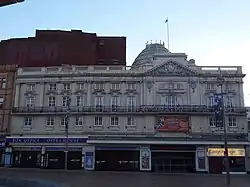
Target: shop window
[(237, 164)]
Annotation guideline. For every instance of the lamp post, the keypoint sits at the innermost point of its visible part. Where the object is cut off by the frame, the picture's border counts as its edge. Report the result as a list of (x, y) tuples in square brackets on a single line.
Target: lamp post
[(220, 121), (67, 131)]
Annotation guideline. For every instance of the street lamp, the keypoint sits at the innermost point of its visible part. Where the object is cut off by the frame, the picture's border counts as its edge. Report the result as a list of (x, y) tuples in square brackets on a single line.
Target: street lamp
[(67, 131), (220, 121)]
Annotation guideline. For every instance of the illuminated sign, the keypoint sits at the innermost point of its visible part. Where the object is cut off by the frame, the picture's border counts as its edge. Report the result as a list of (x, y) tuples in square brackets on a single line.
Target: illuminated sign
[(220, 152)]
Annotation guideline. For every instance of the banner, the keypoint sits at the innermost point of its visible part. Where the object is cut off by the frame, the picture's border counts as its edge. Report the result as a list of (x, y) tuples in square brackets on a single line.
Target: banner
[(173, 124)]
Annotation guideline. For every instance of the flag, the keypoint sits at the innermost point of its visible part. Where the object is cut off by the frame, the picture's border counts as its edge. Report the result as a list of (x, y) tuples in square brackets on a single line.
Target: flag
[(166, 20)]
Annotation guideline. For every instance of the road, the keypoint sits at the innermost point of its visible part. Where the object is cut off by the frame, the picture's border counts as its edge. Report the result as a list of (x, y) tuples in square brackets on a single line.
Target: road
[(127, 179)]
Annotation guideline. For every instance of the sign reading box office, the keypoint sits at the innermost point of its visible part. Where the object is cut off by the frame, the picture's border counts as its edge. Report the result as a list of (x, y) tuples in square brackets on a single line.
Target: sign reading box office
[(173, 124), (220, 152)]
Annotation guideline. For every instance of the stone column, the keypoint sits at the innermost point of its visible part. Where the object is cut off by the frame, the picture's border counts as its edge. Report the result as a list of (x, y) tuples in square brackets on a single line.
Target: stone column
[(41, 94), (89, 94), (17, 95)]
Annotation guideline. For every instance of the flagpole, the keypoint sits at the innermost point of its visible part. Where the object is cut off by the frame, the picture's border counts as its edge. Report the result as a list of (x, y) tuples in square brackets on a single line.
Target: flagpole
[(167, 31)]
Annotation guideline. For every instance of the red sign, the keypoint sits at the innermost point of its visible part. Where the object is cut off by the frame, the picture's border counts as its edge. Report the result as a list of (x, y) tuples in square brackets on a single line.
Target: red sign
[(173, 124)]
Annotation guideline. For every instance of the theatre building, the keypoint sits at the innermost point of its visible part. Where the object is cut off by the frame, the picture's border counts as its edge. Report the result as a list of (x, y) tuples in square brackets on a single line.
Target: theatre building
[(155, 116)]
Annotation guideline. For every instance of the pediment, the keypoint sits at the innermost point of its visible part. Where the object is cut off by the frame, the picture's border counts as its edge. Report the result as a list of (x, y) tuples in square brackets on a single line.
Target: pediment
[(172, 68)]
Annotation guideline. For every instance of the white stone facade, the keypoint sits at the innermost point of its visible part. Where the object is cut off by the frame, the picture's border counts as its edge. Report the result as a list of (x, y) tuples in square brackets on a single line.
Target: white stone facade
[(128, 98)]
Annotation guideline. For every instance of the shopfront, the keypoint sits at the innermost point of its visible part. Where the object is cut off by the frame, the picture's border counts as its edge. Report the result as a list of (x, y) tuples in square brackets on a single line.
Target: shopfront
[(29, 157), (237, 160), (117, 158), (46, 152), (173, 158)]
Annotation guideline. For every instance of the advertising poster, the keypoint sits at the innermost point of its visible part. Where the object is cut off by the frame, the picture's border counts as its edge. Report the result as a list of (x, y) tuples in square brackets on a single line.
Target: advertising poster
[(145, 159), (89, 161), (172, 124)]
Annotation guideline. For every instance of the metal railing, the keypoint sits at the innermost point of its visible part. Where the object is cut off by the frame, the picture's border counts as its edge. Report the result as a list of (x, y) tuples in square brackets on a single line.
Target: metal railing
[(130, 109)]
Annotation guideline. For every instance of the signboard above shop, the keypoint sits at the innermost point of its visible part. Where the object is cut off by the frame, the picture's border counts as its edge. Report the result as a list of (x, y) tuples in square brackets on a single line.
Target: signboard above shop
[(220, 152), (44, 140)]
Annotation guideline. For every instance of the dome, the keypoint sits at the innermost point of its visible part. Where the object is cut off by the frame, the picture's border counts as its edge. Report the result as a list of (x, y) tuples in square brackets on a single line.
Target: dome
[(149, 52)]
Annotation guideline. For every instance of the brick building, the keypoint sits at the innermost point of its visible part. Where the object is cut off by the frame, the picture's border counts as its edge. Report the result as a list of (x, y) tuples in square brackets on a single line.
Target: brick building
[(55, 47), (7, 82)]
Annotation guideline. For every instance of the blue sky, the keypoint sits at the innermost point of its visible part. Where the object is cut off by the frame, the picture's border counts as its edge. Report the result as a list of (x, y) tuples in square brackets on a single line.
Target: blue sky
[(214, 32)]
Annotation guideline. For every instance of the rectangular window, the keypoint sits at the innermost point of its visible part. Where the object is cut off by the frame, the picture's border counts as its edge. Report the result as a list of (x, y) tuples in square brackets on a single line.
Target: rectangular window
[(169, 100), (115, 101), (66, 86), (30, 101), (1, 101), (81, 86), (3, 83), (99, 86), (52, 87), (64, 101), (50, 121), (115, 86), (229, 101), (31, 87), (211, 86), (63, 121), (210, 101), (98, 101), (114, 121), (171, 86), (232, 121), (79, 101), (130, 121), (52, 101), (212, 122), (131, 86), (131, 101), (228, 86), (27, 121), (79, 121), (98, 121)]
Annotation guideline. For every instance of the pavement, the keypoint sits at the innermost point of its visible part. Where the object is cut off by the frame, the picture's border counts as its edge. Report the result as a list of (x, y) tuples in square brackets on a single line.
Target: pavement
[(126, 179)]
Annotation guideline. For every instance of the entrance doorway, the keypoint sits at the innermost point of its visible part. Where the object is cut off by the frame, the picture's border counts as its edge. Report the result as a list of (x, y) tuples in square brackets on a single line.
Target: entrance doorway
[(54, 160), (74, 160), (27, 159), (173, 162), (117, 160)]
